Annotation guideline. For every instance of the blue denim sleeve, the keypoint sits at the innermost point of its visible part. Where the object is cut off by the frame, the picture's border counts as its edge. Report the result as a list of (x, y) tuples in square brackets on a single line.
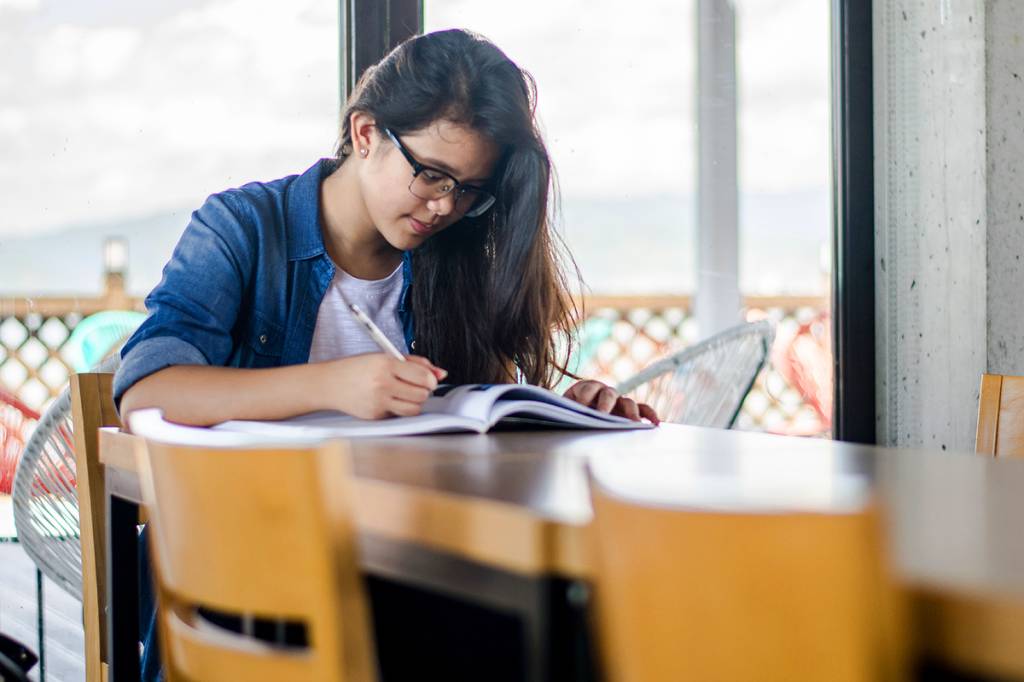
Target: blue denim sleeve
[(194, 307)]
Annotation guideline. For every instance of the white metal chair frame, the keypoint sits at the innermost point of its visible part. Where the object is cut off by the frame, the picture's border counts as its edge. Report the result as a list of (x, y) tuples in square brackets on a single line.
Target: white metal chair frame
[(45, 495), (755, 336)]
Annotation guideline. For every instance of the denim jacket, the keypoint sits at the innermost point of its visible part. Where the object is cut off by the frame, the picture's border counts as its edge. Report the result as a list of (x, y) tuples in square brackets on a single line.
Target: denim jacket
[(244, 284)]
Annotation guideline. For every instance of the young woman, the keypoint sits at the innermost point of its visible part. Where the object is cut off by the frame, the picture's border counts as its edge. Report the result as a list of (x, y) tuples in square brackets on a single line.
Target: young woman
[(433, 218)]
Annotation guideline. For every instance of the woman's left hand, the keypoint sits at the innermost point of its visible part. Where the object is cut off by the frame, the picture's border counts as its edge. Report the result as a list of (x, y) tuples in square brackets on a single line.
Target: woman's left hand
[(606, 399)]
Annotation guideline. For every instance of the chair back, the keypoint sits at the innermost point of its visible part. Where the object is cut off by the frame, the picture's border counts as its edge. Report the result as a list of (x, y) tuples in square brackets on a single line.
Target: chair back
[(699, 593), (265, 534), (59, 502), (1001, 416), (705, 384)]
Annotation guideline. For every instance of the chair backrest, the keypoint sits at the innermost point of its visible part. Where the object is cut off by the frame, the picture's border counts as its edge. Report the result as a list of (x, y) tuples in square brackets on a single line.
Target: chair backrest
[(1001, 416), (92, 408), (261, 532), (705, 594), (705, 384)]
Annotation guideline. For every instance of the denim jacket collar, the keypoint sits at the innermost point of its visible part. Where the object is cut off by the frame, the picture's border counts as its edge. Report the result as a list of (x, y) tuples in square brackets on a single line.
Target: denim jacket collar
[(302, 212)]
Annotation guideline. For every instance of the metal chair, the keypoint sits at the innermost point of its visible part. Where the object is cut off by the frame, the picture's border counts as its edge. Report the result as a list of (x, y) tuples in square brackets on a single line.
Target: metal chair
[(705, 384), (45, 496), (16, 418)]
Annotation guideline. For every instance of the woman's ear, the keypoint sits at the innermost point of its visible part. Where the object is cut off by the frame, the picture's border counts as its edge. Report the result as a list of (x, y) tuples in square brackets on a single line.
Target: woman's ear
[(364, 133)]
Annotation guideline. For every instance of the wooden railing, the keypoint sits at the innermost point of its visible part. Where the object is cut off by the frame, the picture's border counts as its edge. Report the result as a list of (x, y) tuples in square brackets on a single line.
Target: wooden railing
[(34, 333)]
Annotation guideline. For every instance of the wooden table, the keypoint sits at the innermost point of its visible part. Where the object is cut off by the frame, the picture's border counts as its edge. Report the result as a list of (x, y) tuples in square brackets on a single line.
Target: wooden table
[(501, 520)]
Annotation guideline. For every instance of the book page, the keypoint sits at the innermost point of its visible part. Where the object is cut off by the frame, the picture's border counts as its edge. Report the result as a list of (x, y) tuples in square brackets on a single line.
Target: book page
[(149, 423), (490, 403), (325, 425), (552, 414)]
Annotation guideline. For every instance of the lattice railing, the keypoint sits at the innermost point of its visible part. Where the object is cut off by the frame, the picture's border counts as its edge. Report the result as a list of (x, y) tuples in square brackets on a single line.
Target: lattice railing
[(638, 330), (792, 395), (32, 363), (35, 361)]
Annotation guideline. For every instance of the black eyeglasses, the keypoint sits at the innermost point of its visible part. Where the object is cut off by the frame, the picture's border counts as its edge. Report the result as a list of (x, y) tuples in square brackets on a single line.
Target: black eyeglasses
[(431, 183)]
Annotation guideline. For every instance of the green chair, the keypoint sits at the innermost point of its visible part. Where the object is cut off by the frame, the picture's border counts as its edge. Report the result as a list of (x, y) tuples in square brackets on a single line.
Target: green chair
[(97, 335), (592, 334)]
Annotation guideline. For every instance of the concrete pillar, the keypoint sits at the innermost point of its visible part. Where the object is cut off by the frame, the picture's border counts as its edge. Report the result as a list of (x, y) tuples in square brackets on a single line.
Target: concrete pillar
[(931, 219), (718, 301), (1004, 65), (949, 143)]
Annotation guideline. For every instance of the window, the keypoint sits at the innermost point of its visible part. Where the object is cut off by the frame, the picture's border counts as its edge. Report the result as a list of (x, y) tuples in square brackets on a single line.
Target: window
[(117, 120), (618, 100)]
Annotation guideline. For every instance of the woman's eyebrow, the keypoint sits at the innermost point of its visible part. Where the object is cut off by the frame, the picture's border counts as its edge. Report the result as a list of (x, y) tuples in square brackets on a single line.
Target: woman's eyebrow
[(441, 165)]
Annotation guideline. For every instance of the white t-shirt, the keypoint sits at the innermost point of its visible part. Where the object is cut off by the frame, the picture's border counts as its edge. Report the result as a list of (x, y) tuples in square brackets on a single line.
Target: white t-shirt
[(338, 334)]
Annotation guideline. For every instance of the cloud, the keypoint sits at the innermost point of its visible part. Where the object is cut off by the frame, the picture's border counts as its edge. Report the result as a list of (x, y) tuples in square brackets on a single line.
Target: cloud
[(101, 121), (89, 55), (133, 114), (12, 121), (25, 6), (617, 90)]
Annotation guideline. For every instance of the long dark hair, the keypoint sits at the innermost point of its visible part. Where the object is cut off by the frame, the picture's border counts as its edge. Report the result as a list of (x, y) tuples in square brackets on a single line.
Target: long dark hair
[(489, 294)]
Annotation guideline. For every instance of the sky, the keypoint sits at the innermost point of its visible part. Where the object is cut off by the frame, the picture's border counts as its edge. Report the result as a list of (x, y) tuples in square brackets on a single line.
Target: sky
[(116, 108)]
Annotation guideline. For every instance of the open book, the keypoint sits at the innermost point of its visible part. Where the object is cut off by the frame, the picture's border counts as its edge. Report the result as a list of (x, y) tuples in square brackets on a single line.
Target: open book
[(466, 408), (469, 407)]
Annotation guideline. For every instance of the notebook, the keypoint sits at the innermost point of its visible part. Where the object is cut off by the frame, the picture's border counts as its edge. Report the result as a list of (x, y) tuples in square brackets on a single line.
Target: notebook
[(452, 409)]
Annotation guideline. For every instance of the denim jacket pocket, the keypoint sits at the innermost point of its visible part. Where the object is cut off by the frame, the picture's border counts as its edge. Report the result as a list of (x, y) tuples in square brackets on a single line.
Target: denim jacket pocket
[(265, 341)]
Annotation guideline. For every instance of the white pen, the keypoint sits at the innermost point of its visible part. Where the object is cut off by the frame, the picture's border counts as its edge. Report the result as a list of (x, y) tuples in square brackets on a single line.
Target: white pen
[(375, 333)]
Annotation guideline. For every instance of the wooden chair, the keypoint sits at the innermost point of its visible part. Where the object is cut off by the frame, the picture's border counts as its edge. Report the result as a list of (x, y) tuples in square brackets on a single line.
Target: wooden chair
[(1001, 416), (262, 532), (696, 594), (92, 407)]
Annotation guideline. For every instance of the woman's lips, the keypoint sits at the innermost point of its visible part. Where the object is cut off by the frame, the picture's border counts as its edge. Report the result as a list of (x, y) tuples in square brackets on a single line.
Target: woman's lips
[(420, 228)]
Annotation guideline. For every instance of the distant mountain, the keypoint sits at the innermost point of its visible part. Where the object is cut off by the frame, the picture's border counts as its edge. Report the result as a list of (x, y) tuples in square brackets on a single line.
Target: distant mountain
[(70, 260), (622, 245)]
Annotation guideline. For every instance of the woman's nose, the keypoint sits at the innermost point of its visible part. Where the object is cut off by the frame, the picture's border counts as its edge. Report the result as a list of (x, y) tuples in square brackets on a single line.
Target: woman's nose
[(443, 205)]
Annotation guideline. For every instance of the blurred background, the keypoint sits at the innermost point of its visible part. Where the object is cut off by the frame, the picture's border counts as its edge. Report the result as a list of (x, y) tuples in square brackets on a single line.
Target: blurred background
[(118, 118)]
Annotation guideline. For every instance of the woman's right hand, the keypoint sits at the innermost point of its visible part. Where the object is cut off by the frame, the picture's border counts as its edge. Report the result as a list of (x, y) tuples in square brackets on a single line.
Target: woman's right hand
[(376, 385)]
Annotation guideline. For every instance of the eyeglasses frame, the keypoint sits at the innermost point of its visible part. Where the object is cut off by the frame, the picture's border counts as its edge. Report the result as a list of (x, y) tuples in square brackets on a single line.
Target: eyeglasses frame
[(418, 168)]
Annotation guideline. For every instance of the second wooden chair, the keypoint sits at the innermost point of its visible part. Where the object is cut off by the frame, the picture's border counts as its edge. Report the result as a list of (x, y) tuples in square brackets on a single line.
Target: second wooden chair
[(722, 590), (256, 535)]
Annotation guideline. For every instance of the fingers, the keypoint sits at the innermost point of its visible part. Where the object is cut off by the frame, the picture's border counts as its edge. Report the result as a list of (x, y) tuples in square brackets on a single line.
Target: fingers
[(606, 399), (416, 374), (404, 408), (400, 390), (626, 407), (647, 412), (593, 394), (585, 391), (438, 373)]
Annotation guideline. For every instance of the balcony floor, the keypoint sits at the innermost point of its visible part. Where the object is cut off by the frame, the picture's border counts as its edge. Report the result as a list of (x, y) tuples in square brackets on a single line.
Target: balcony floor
[(62, 622)]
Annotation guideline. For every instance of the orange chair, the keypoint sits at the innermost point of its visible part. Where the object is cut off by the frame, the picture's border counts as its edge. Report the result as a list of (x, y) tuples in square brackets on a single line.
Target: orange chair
[(253, 532), (1001, 416), (701, 593)]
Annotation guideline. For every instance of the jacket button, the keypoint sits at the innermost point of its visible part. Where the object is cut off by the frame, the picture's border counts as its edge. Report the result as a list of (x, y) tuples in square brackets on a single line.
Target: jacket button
[(263, 338), (412, 346)]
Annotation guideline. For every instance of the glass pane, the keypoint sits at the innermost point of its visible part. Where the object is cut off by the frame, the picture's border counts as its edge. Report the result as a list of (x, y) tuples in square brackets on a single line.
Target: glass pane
[(618, 101), (785, 206), (615, 99), (117, 119)]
